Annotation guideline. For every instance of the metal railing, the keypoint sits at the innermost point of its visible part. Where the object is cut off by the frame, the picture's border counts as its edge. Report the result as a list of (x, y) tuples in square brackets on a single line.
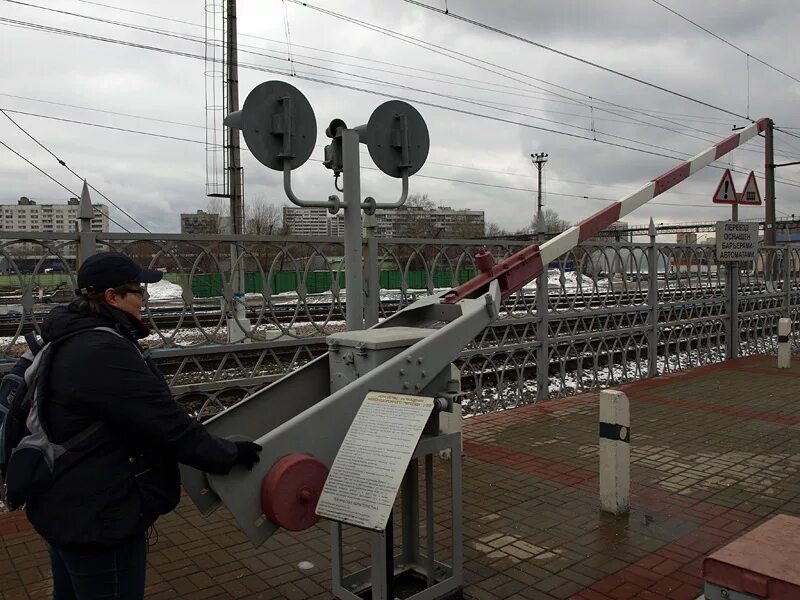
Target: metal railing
[(611, 313)]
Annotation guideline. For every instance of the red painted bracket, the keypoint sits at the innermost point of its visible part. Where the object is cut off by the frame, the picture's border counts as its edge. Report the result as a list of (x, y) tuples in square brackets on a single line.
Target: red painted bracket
[(511, 274)]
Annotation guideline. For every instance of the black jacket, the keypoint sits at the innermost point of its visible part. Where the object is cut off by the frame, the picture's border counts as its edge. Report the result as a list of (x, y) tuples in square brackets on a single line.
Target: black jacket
[(116, 483)]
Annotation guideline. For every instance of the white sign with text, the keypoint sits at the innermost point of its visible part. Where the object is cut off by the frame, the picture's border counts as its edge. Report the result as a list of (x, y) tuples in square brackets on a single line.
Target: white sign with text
[(736, 241), (368, 470)]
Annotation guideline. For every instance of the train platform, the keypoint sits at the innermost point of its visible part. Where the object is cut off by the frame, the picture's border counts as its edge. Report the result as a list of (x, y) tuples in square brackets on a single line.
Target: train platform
[(714, 452)]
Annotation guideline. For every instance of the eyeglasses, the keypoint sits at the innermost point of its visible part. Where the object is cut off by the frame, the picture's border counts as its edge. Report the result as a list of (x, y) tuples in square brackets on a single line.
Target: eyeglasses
[(139, 291)]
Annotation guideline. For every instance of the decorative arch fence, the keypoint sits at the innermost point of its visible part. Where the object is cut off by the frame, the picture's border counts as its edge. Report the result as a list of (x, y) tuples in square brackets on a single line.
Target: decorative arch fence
[(613, 312)]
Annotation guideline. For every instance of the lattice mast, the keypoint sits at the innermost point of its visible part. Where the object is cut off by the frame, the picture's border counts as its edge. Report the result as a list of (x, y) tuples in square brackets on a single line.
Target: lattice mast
[(223, 160), (217, 181)]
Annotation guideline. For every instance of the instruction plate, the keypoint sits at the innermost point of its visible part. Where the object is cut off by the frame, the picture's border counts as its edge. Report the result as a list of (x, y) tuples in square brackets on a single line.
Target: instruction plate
[(367, 472), (736, 241)]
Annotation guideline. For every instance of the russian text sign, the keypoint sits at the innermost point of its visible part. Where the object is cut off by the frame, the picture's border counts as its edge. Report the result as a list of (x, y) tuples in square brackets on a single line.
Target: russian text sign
[(368, 469), (736, 241)]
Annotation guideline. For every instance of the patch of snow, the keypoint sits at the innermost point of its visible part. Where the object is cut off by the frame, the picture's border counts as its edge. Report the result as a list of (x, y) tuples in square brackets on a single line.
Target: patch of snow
[(164, 290)]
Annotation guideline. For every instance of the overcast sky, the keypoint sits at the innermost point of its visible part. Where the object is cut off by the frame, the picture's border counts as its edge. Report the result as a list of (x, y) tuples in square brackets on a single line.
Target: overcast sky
[(496, 77)]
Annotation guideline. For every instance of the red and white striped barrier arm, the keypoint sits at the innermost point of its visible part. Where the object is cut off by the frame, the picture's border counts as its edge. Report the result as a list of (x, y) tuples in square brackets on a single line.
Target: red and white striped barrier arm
[(527, 264)]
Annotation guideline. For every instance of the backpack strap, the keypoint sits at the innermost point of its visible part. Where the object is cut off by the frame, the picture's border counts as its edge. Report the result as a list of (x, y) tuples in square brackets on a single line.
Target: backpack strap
[(34, 345), (84, 435), (37, 405)]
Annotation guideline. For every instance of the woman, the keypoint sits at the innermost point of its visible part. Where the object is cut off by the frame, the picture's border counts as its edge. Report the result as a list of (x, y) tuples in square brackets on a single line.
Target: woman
[(113, 486)]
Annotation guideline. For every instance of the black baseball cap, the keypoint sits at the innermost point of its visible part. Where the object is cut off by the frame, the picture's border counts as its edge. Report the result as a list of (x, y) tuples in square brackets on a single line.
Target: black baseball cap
[(109, 270)]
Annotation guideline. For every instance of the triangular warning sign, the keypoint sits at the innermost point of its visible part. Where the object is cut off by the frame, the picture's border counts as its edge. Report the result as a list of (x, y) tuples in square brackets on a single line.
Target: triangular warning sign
[(726, 193), (750, 195)]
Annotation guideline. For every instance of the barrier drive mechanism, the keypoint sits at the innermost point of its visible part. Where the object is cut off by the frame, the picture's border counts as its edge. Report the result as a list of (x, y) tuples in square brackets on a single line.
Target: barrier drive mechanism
[(344, 434)]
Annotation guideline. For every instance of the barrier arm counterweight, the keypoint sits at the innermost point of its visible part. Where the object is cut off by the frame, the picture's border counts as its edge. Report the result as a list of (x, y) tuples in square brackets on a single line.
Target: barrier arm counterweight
[(305, 414), (524, 266)]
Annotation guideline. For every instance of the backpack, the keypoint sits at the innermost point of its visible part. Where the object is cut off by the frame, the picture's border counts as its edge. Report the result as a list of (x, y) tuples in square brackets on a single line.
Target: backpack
[(27, 456)]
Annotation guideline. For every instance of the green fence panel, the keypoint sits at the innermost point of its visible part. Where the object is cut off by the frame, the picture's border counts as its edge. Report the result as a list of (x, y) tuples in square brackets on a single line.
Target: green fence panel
[(205, 285), (284, 281)]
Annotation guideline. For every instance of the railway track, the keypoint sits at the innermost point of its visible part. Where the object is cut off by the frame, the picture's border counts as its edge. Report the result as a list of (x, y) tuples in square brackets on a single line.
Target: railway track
[(168, 317)]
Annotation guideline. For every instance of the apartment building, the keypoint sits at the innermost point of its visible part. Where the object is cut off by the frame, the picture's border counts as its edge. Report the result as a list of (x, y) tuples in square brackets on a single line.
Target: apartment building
[(442, 222), (306, 221), (27, 215), (200, 222)]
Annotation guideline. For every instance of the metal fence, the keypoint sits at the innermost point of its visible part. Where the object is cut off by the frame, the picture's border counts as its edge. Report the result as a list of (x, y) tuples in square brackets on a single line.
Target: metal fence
[(605, 313)]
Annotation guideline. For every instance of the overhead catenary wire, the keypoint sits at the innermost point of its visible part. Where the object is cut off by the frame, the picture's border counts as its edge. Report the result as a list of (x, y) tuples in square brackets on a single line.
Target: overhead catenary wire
[(195, 38), (420, 175), (590, 63), (724, 41), (324, 82), (100, 110), (485, 65), (68, 168), (485, 104), (111, 127), (488, 66), (328, 52), (327, 68), (444, 164), (135, 116), (38, 27), (293, 72), (56, 181), (530, 190)]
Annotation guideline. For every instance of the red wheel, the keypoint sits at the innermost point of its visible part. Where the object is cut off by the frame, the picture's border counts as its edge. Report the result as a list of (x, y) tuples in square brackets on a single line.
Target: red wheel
[(291, 490)]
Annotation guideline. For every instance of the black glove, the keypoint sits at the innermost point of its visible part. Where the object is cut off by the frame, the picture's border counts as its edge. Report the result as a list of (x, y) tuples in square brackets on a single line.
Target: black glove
[(247, 454)]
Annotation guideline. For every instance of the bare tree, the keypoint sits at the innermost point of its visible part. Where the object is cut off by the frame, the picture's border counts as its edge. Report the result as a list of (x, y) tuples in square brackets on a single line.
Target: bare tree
[(262, 217), (493, 230), (421, 201), (419, 225), (552, 223), (221, 207)]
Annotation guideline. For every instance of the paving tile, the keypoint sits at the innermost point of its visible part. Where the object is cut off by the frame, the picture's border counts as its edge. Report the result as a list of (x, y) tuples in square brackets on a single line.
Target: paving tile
[(714, 452)]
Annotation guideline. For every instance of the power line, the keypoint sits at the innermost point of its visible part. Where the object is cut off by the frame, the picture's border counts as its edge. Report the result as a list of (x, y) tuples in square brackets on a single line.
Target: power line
[(362, 77), (480, 63), (38, 27), (328, 69), (571, 56), (529, 190), (461, 57), (439, 178), (723, 40), (789, 133), (455, 166), (328, 52), (113, 128), (42, 171), (56, 181), (64, 164), (99, 110), (201, 40)]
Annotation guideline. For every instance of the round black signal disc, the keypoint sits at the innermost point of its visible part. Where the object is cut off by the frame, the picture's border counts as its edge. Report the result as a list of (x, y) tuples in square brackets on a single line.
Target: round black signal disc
[(264, 124), (383, 137)]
